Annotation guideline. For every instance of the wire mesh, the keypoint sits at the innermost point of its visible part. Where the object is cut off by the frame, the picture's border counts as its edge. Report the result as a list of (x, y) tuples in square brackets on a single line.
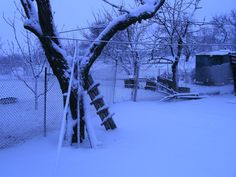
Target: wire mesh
[(22, 114)]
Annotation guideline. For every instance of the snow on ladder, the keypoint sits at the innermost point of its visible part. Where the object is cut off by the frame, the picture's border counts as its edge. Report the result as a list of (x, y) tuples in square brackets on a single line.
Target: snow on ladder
[(98, 102)]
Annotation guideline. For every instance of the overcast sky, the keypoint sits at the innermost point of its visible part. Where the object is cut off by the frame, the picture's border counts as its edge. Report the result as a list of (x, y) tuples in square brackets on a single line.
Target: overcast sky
[(77, 13)]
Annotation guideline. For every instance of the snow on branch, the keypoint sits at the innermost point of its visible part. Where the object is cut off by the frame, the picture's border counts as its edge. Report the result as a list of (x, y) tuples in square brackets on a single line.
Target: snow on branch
[(39, 20), (32, 21), (146, 10)]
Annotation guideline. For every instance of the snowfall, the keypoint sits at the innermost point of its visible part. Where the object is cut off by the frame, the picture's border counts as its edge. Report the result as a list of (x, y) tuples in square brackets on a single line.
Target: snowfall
[(153, 138)]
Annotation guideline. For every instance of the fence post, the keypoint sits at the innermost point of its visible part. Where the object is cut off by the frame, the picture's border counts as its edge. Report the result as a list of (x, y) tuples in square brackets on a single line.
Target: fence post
[(45, 104), (136, 81), (114, 85)]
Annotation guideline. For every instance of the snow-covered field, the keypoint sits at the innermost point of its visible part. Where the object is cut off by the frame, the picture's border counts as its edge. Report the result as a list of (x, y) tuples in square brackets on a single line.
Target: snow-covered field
[(153, 138), (167, 139)]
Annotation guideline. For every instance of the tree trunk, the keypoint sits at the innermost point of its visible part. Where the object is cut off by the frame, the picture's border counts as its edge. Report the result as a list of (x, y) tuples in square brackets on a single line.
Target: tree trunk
[(174, 68), (72, 125), (81, 119), (175, 64)]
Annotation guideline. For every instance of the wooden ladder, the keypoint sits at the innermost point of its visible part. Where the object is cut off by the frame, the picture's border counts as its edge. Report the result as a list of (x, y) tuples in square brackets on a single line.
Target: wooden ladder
[(99, 104)]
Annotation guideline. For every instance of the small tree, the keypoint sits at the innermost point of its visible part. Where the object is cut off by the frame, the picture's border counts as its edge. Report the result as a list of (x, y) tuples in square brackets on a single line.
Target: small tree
[(33, 58)]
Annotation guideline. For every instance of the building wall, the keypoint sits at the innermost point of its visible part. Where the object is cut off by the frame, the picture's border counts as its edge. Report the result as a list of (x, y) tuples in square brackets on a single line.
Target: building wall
[(216, 74)]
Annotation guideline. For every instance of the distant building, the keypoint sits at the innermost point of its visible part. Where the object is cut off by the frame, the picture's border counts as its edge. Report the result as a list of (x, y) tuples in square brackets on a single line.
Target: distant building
[(214, 68)]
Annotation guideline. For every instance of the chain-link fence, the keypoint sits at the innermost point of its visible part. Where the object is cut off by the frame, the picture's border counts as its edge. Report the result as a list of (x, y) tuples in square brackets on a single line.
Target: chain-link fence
[(154, 81), (113, 78), (22, 108), (20, 119)]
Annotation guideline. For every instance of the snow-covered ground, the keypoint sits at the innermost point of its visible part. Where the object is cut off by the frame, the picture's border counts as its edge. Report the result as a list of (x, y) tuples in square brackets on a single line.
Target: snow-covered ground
[(166, 139), (20, 121)]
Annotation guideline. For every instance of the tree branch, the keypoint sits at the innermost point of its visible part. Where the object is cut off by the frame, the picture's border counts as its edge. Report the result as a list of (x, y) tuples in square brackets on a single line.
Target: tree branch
[(32, 22), (143, 12)]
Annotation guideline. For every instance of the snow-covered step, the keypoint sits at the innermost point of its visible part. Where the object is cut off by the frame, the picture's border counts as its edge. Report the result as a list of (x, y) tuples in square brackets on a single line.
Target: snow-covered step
[(104, 108), (92, 87), (107, 118), (99, 104), (96, 99)]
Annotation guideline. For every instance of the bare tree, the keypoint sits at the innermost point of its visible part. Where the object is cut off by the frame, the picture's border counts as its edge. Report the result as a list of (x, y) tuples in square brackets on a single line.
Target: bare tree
[(220, 31), (176, 20), (39, 20), (224, 27), (33, 58)]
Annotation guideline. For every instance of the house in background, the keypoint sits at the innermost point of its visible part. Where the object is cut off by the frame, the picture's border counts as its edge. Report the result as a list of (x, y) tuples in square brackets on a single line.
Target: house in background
[(214, 68)]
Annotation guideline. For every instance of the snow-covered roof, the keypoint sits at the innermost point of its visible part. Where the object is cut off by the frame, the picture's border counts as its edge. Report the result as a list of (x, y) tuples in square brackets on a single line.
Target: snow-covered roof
[(218, 52)]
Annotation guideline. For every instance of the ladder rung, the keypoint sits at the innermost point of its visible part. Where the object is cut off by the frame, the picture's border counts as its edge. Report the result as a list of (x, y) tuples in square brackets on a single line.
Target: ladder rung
[(95, 85), (106, 118), (99, 97), (102, 109)]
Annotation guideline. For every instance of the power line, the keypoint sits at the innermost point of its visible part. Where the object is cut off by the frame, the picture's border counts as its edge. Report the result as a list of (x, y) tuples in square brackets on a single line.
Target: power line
[(139, 43), (103, 26), (81, 29)]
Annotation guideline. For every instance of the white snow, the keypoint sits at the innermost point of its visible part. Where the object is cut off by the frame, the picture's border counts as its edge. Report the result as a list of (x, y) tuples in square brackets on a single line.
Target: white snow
[(89, 125), (33, 20), (183, 138), (217, 52)]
